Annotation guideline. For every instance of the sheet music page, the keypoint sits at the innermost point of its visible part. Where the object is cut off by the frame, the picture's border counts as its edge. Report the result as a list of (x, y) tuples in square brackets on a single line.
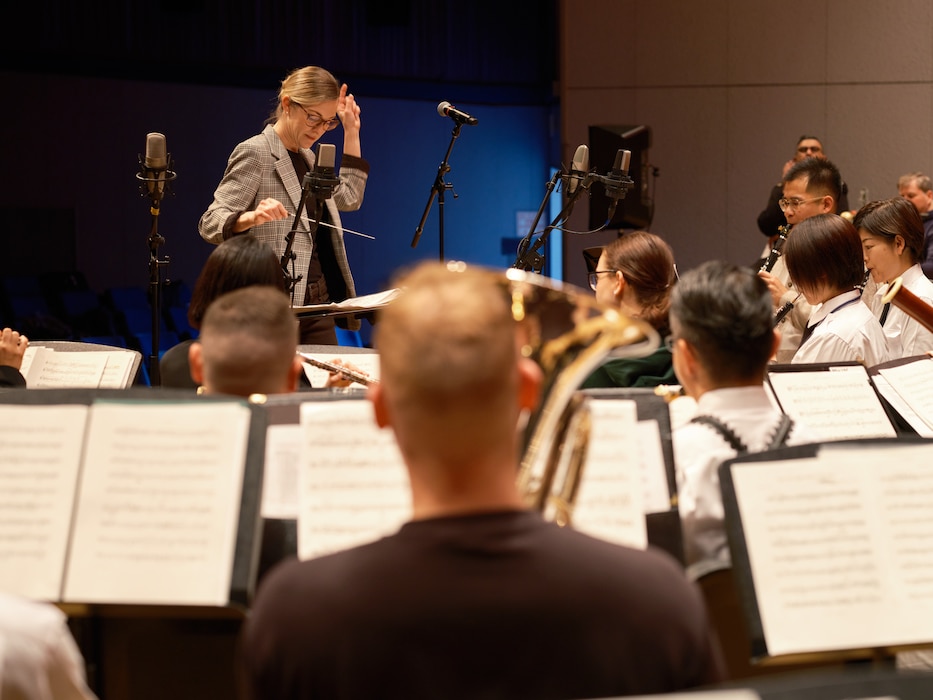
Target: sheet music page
[(611, 498), (40, 459), (815, 399), (34, 355), (158, 506), (66, 370), (903, 409), (362, 303), (653, 469), (117, 369), (280, 478), (353, 486), (904, 493), (913, 382), (365, 361), (818, 536)]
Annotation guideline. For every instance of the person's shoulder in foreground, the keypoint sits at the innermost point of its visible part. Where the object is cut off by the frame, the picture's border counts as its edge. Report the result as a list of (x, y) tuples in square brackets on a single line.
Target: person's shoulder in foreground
[(434, 610)]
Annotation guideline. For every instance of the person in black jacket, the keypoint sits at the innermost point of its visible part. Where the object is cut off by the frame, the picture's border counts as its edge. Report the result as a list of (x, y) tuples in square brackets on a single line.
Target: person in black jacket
[(771, 217)]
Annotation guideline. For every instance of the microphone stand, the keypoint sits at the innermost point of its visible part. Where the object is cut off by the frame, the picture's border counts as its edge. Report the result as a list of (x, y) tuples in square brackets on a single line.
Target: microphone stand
[(318, 183), (288, 256), (145, 176), (529, 259), (437, 190)]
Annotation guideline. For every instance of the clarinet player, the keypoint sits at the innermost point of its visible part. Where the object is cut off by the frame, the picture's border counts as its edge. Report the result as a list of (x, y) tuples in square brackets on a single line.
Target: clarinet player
[(811, 186)]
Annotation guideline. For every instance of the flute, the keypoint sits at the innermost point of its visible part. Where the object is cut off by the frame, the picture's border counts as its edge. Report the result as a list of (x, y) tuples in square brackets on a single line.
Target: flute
[(334, 368), (909, 303)]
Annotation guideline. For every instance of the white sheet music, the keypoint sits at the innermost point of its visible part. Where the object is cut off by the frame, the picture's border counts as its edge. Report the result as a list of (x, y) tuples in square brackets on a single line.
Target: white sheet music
[(366, 361), (367, 302), (839, 547), (280, 477), (48, 369), (611, 497), (40, 455), (158, 504), (817, 398), (653, 469), (117, 370), (353, 483), (913, 383), (45, 368)]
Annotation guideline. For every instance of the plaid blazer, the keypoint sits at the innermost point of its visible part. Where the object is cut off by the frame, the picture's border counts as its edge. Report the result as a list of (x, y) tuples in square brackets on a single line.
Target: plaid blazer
[(260, 168)]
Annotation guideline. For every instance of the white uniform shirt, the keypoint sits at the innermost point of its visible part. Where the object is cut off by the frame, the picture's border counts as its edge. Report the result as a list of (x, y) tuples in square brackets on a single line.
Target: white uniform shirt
[(38, 656), (906, 335), (846, 331), (698, 452)]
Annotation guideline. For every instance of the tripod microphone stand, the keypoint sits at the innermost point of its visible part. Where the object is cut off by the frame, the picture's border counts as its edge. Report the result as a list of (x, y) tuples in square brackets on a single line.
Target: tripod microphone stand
[(155, 175), (437, 190)]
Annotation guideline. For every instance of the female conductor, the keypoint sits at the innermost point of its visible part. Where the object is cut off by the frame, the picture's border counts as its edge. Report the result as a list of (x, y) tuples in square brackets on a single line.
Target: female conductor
[(262, 187)]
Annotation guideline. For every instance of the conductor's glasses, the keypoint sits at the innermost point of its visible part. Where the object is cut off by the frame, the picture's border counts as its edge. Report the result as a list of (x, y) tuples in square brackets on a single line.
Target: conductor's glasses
[(594, 277), (314, 119)]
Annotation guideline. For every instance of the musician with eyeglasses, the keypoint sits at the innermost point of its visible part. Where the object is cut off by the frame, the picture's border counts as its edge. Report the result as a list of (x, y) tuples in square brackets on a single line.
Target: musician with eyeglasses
[(771, 217), (635, 274), (262, 187), (811, 187)]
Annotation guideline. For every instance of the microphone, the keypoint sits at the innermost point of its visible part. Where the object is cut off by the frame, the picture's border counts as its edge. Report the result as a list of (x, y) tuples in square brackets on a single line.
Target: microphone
[(154, 171), (156, 161), (445, 109), (618, 182), (579, 168), (321, 179)]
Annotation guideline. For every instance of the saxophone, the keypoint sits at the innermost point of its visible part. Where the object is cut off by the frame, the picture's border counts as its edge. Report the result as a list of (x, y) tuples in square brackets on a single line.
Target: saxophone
[(569, 335)]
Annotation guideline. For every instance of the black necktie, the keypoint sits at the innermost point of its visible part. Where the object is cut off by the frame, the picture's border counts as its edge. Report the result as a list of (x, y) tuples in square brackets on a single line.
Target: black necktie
[(884, 313), (807, 332)]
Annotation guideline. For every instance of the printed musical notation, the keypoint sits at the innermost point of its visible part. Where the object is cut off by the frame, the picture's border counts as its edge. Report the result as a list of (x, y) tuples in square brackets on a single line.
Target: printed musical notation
[(815, 398), (839, 547), (41, 457), (162, 492), (610, 503), (353, 487), (121, 502)]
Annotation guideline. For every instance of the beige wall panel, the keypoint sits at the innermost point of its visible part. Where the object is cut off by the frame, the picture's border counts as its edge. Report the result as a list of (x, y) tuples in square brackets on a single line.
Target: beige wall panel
[(882, 131), (871, 41), (776, 42), (681, 42), (600, 49)]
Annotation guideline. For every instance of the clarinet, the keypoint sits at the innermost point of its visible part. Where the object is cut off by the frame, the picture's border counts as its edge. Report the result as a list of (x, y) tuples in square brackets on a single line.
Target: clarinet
[(776, 247), (781, 313)]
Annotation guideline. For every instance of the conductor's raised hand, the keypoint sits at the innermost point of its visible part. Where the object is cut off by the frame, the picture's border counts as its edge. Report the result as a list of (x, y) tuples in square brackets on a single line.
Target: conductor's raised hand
[(348, 110)]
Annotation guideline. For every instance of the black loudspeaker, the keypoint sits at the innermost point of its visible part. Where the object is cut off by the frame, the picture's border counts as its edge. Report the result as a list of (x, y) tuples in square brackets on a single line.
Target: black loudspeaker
[(636, 210)]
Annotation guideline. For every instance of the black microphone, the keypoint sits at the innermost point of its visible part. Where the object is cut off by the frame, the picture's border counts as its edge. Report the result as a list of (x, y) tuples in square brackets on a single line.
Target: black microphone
[(321, 179), (445, 109), (579, 168), (617, 183)]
